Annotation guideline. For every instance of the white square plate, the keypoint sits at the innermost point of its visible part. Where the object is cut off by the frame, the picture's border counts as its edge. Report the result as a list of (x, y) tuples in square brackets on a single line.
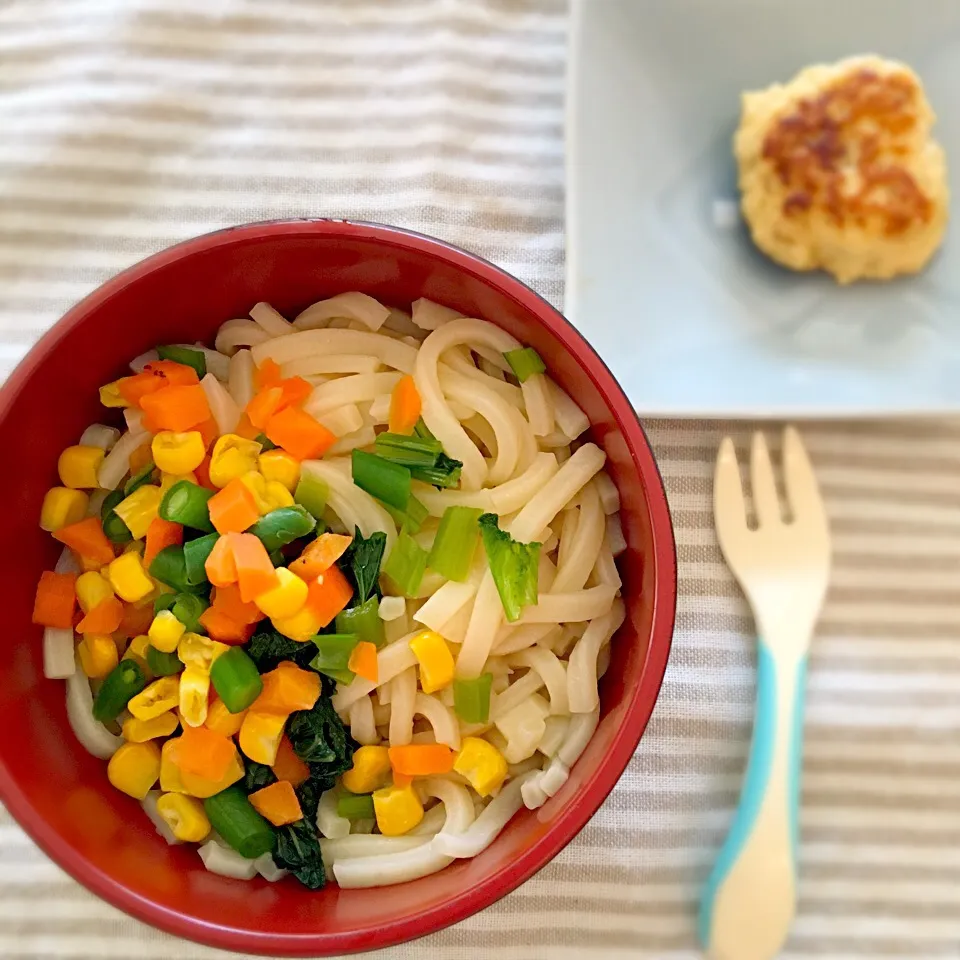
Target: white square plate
[(661, 274)]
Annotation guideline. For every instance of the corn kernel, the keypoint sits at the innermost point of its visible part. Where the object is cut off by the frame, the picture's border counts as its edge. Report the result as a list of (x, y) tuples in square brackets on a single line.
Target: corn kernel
[(232, 457), (260, 736), (398, 810), (98, 654), (301, 626), (139, 731), (137, 650), (110, 395), (178, 452), (436, 661), (185, 816), (194, 694), (285, 599), (78, 467), (162, 695), (203, 788), (61, 506), (199, 652), (221, 720), (128, 577), (134, 768), (370, 770), (482, 764), (255, 483), (165, 631), (279, 466), (92, 589), (170, 777), (278, 495), (168, 480), (140, 509)]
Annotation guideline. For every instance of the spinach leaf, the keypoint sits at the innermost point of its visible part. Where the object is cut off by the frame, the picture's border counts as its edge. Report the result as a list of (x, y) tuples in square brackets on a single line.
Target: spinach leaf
[(515, 566), (308, 793), (257, 776), (320, 738), (298, 850), (361, 562), (268, 648)]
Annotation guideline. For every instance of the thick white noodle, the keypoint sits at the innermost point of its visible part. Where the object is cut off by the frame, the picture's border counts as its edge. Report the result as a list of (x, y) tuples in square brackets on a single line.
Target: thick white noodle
[(392, 660), (356, 388), (482, 435), (570, 419), (518, 691), (553, 672), (268, 869), (609, 495), (570, 607), (94, 737), (238, 333), (240, 381), (323, 343), (391, 608), (354, 306), (99, 435), (445, 604), (428, 315), (523, 728), (605, 571), (554, 735), (329, 822), (532, 793), (512, 638), (117, 462), (223, 407), (149, 804), (358, 846), (432, 822), (270, 320), (582, 665), (547, 572), (457, 360), (364, 437), (133, 418), (615, 538), (139, 363), (485, 620), (581, 729), (363, 728), (441, 718), (403, 696), (455, 629), (226, 862), (67, 562), (539, 404), (58, 655), (588, 538), (436, 501)]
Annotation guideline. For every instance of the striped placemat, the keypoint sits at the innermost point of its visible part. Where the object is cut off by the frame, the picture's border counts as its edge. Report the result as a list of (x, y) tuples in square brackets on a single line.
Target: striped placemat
[(130, 124)]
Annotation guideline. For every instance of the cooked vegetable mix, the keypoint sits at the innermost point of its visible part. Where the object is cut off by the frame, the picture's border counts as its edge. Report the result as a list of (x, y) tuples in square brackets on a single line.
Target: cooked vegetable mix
[(315, 603)]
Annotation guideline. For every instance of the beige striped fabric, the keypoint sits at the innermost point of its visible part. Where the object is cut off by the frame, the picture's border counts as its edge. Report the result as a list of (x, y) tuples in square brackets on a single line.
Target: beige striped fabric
[(130, 124)]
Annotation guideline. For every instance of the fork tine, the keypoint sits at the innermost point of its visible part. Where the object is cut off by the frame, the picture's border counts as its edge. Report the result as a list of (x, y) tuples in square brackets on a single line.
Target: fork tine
[(766, 505), (729, 511), (803, 491)]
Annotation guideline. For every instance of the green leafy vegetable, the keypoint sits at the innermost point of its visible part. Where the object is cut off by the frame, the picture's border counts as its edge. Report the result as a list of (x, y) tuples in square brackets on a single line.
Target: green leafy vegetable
[(256, 776), (515, 566), (423, 457), (361, 562), (444, 473), (455, 543), (187, 356), (139, 479), (388, 482), (298, 850), (319, 737), (410, 519), (268, 648), (406, 564)]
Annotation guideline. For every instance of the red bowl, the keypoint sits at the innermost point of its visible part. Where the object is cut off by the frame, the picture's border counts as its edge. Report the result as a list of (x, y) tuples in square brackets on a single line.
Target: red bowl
[(60, 794)]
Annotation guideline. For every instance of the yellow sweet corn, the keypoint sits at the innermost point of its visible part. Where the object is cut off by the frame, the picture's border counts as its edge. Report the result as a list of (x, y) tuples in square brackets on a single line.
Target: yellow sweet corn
[(398, 810), (168, 480), (260, 735), (171, 780), (370, 770), (194, 695), (286, 598), (184, 816), (137, 650), (232, 457), (155, 699), (178, 452), (128, 577), (139, 731), (278, 495), (279, 466), (97, 653), (482, 764), (165, 631), (78, 467), (203, 788), (199, 652), (221, 720), (134, 768), (92, 588), (110, 395), (139, 510), (301, 626), (255, 483), (436, 661), (61, 506)]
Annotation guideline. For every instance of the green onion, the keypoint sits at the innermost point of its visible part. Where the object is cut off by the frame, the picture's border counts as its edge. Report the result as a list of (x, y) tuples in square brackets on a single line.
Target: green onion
[(410, 519), (188, 609), (122, 683), (333, 655), (455, 543), (236, 679), (114, 528), (524, 362), (471, 698), (364, 621), (388, 482), (163, 664), (139, 479), (356, 806), (311, 493), (186, 503), (164, 602), (195, 553), (408, 451), (232, 815), (423, 431), (406, 564), (515, 566), (187, 356), (170, 567), (265, 442), (283, 525)]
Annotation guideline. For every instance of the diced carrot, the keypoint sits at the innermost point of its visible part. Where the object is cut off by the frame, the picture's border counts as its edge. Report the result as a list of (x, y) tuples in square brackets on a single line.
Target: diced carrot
[(223, 628), (267, 374), (264, 405), (246, 429), (288, 766), (220, 566), (421, 759), (288, 688), (87, 538), (56, 600), (202, 473), (277, 803), (105, 617), (137, 618), (209, 432), (328, 594), (233, 509), (204, 753), (160, 534), (155, 376), (227, 600), (299, 434), (320, 555), (221, 720), (405, 406), (172, 373), (141, 457), (295, 391), (401, 779), (255, 573), (177, 408), (363, 661)]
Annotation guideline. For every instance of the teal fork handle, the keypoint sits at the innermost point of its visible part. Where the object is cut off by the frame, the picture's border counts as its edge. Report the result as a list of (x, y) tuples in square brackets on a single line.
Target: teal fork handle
[(750, 898)]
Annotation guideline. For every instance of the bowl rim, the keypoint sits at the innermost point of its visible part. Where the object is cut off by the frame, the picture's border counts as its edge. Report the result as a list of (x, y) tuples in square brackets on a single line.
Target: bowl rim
[(571, 819)]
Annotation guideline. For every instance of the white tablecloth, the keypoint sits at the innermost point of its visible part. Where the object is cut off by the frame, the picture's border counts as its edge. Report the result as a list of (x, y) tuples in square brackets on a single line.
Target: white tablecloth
[(126, 125)]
